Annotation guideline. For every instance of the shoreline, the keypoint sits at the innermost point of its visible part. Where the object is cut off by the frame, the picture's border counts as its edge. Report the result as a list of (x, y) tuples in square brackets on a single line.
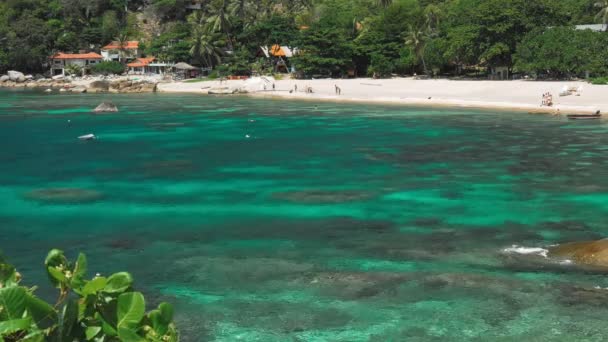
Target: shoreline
[(514, 96), (422, 103)]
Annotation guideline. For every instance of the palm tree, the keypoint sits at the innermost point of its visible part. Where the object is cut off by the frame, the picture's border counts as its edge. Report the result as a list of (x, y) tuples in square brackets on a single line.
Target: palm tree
[(384, 3), (238, 8), (603, 13), (219, 21), (417, 37), (122, 41), (432, 15), (204, 42)]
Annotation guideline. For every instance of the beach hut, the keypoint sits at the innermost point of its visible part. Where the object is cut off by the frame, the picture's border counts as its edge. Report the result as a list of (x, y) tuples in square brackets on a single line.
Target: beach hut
[(499, 73), (279, 55), (186, 70)]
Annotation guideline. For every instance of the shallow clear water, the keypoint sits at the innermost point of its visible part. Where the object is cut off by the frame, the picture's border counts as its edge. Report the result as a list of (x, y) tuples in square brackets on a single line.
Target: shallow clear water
[(331, 222)]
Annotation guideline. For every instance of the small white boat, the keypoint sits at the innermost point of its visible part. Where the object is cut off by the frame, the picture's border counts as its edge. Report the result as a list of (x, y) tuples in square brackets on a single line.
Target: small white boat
[(87, 137)]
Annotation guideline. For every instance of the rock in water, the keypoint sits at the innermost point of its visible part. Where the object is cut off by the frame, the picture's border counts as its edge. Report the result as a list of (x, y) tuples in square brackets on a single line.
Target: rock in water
[(64, 195), (16, 76), (106, 107), (591, 253)]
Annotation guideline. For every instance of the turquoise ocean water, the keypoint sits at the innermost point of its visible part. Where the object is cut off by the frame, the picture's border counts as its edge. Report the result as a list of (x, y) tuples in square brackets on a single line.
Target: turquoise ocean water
[(294, 221)]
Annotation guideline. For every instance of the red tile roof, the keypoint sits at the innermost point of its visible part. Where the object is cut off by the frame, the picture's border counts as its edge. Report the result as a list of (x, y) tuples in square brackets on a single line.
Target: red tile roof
[(90, 55), (141, 62), (130, 45)]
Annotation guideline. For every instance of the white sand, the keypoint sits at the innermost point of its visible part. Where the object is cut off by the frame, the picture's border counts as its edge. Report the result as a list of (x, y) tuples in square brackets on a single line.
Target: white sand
[(508, 95)]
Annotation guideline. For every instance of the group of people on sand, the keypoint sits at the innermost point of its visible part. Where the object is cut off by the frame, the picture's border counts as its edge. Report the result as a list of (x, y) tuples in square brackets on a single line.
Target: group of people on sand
[(547, 100), (308, 89)]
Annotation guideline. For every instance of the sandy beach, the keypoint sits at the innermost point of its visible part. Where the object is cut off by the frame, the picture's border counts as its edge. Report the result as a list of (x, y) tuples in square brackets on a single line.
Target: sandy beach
[(504, 95)]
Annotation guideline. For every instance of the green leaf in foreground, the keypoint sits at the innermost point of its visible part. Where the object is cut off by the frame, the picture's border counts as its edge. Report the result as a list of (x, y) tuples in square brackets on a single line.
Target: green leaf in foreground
[(80, 270), (15, 325), (91, 332), (12, 303), (130, 311), (55, 262), (94, 286), (118, 282), (44, 314)]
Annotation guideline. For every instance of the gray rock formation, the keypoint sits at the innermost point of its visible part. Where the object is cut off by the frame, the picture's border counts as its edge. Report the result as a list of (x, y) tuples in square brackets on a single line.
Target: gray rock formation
[(79, 89), (4, 78), (99, 87), (106, 107), (16, 76), (127, 86)]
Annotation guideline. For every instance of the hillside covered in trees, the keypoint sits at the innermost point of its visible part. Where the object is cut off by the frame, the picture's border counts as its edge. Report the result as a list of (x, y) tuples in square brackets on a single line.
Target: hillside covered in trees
[(333, 37)]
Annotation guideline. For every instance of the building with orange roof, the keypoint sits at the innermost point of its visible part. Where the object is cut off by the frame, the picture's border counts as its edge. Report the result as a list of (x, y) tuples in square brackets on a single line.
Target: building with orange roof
[(115, 51), (279, 55), (148, 65), (85, 61)]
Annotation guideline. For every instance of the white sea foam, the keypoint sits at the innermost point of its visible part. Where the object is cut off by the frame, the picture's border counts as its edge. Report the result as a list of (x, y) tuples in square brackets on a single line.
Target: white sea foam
[(526, 250)]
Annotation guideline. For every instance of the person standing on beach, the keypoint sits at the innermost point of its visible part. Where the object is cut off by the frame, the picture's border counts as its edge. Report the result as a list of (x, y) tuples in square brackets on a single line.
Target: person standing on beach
[(295, 88), (338, 90), (273, 87)]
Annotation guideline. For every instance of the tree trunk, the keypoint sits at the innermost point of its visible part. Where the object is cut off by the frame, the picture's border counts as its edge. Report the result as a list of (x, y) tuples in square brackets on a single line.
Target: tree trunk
[(426, 71)]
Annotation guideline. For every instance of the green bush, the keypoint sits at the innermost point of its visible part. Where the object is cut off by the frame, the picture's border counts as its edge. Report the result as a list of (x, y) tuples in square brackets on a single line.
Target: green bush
[(99, 309), (380, 66), (73, 70), (213, 75), (108, 67), (599, 80)]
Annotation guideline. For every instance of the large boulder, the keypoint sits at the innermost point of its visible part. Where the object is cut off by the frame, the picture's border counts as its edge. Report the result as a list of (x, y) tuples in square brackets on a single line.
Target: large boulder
[(588, 253), (106, 107), (58, 77), (99, 86), (16, 76), (79, 89), (4, 78)]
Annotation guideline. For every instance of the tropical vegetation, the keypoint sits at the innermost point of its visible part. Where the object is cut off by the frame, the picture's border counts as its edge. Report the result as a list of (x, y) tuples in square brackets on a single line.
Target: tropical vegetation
[(97, 309), (335, 38)]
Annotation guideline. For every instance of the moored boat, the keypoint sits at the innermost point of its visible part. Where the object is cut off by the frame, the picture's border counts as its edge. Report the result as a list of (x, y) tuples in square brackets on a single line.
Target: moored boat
[(596, 115), (87, 137)]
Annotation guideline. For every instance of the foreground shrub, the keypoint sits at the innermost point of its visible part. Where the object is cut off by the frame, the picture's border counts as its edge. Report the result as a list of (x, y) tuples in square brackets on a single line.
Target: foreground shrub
[(99, 309), (108, 67)]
